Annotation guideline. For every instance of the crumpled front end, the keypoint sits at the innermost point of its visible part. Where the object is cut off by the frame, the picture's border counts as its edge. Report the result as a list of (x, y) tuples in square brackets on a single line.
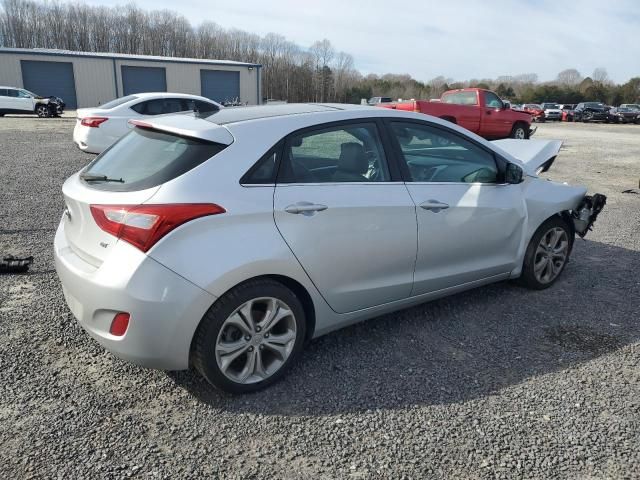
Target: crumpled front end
[(585, 215)]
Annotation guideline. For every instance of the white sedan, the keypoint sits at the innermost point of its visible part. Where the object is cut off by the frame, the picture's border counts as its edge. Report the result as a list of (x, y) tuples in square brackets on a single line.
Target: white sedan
[(98, 128)]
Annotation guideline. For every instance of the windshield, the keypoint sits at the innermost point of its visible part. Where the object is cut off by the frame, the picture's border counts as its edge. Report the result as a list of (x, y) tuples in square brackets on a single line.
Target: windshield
[(594, 105), (551, 105), (28, 92), (533, 106), (145, 158), (118, 101)]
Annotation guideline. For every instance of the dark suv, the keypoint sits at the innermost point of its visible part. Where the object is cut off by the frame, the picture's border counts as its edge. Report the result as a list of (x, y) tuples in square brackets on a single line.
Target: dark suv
[(590, 111)]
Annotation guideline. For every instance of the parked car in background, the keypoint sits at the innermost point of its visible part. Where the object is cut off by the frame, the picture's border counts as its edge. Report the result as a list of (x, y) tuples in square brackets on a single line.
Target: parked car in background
[(633, 106), (21, 101), (567, 112), (377, 100), (98, 128), (356, 211), (624, 115), (536, 111), (590, 111), (478, 110), (552, 111)]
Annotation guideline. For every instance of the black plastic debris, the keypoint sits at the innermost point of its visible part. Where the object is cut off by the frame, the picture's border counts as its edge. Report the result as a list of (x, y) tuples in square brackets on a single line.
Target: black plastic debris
[(11, 264)]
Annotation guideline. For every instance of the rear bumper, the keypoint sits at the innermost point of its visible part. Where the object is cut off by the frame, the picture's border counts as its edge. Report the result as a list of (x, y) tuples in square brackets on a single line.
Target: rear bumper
[(91, 140), (165, 308)]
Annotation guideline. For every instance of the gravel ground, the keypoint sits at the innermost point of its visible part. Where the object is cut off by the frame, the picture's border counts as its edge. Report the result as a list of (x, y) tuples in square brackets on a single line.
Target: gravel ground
[(498, 382)]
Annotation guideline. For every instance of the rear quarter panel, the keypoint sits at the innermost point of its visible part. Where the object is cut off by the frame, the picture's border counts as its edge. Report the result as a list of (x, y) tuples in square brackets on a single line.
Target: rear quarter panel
[(467, 116), (218, 252)]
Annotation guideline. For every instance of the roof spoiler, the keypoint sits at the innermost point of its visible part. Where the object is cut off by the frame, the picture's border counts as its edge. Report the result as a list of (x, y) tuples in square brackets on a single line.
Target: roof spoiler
[(190, 126)]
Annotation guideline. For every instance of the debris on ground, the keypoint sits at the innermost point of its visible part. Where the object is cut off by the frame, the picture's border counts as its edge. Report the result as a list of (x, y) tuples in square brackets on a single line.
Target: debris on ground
[(11, 264)]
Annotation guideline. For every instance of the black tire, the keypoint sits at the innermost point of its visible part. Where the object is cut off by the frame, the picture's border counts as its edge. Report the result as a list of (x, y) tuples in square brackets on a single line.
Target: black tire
[(42, 111), (528, 278), (204, 341), (587, 116), (520, 130)]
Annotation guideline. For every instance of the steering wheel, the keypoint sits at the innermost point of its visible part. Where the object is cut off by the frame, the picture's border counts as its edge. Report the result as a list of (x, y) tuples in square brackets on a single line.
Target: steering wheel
[(374, 174)]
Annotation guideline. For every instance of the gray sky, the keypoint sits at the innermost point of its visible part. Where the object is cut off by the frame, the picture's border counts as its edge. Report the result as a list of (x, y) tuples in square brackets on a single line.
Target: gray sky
[(461, 39)]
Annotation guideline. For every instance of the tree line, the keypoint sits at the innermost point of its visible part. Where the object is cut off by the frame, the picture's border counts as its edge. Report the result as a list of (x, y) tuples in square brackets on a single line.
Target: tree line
[(319, 73)]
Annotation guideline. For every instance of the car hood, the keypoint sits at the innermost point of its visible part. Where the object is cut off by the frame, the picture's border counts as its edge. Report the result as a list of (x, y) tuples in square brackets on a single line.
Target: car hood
[(535, 155)]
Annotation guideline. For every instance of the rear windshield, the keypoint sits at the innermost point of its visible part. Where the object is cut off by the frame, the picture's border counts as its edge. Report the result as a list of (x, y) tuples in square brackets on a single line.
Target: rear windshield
[(147, 158), (118, 101), (461, 98)]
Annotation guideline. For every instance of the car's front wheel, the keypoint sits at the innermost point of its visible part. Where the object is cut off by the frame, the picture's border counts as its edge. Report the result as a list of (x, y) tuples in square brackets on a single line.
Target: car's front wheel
[(250, 337), (42, 111), (520, 131), (547, 254)]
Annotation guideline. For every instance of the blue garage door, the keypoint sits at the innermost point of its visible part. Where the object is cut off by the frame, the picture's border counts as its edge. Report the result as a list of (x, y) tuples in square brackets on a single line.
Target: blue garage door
[(50, 79), (219, 85), (143, 79)]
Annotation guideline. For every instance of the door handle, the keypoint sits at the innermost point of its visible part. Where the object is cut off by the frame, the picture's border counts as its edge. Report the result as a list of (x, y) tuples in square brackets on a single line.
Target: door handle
[(434, 205), (305, 208)]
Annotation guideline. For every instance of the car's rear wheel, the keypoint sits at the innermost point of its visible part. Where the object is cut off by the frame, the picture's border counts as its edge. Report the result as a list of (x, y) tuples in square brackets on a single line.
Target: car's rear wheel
[(547, 254), (587, 116), (250, 337), (520, 131), (42, 111)]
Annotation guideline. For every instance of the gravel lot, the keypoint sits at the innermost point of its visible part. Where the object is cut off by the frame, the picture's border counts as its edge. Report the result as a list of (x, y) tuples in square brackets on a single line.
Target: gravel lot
[(498, 382)]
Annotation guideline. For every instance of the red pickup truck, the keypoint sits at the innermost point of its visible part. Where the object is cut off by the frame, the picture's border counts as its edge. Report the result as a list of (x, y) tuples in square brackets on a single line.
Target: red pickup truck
[(475, 109)]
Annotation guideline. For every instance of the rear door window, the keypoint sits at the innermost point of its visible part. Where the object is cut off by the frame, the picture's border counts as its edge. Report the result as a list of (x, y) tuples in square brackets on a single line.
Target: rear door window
[(146, 158), (161, 106), (346, 153)]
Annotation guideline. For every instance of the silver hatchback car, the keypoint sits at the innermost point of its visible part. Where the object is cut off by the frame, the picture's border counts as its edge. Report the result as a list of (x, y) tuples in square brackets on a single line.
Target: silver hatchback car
[(224, 243)]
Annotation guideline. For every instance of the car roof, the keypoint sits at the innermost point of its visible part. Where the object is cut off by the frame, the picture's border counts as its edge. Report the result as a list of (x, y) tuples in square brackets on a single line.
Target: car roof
[(243, 114), (147, 95)]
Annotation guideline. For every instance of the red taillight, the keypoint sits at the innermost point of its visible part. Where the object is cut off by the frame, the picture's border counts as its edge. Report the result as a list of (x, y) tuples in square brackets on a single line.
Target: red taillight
[(143, 225), (119, 324), (93, 122)]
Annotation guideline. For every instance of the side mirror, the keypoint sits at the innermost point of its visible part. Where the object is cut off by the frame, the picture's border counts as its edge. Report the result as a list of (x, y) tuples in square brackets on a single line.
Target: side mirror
[(513, 173)]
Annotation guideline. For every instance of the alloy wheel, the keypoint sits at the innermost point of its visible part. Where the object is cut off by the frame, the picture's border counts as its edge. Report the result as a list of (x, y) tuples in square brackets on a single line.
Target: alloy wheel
[(551, 255), (519, 133), (256, 340)]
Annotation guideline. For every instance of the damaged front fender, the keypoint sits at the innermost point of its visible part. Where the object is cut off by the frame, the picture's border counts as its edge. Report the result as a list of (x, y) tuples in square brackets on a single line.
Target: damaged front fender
[(545, 198)]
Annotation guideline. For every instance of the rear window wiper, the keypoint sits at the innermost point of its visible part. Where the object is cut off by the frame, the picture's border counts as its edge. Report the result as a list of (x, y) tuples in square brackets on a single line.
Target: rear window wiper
[(89, 177)]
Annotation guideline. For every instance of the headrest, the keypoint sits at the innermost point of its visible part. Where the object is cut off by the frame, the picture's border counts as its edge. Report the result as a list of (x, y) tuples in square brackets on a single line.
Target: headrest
[(353, 158)]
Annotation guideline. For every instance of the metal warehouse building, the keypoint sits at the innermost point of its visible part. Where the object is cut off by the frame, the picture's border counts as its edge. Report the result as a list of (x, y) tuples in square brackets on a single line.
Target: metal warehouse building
[(85, 79)]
